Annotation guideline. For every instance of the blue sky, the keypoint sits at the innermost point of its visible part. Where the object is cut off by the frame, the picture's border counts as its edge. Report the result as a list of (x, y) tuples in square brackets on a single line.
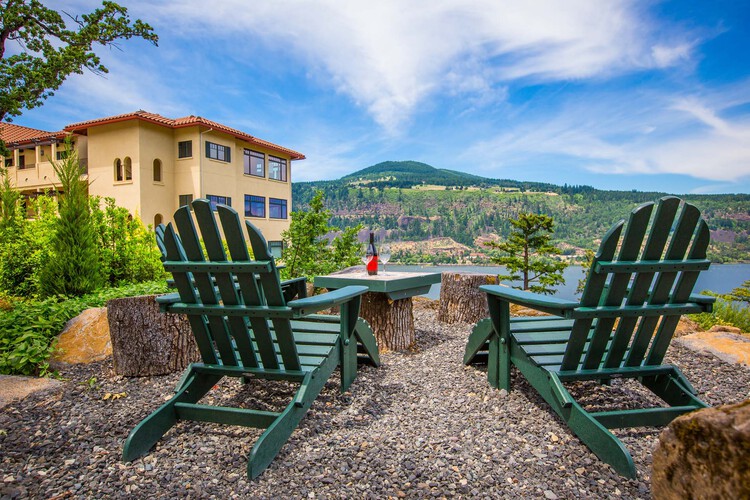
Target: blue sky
[(618, 95)]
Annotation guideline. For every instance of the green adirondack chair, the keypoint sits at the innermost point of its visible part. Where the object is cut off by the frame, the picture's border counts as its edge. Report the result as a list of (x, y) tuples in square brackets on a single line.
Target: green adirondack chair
[(295, 288), (621, 328), (245, 328)]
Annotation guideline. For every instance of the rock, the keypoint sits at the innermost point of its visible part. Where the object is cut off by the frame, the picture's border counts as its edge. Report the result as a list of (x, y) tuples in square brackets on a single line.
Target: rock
[(725, 328), (686, 326), (85, 338), (727, 346), (704, 454), (13, 387)]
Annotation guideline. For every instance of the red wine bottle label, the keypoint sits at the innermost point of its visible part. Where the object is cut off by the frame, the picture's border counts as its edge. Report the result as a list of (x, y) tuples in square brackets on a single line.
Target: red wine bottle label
[(372, 266)]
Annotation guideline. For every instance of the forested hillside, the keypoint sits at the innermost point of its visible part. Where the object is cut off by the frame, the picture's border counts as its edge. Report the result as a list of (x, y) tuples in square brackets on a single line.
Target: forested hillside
[(411, 201)]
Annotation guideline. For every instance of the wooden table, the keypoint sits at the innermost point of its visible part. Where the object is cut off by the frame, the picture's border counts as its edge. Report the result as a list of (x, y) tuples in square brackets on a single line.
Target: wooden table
[(388, 305)]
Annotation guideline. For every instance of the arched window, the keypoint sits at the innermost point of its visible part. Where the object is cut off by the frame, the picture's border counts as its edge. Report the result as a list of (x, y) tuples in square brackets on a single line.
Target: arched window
[(118, 170), (158, 219), (157, 170), (128, 167)]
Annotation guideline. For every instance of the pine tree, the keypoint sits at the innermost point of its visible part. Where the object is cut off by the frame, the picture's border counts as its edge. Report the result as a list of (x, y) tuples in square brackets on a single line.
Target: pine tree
[(74, 266), (525, 254)]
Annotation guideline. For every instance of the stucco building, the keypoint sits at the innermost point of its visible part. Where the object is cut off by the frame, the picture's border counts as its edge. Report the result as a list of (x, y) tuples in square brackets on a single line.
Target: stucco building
[(151, 165)]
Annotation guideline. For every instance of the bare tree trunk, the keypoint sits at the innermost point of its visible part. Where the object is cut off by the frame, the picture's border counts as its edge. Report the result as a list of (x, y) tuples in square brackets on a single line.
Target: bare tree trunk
[(392, 321), (147, 342), (460, 297)]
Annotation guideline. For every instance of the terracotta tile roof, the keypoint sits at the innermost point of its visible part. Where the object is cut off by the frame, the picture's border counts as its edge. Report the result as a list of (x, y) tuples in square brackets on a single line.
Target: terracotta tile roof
[(186, 121), (18, 134)]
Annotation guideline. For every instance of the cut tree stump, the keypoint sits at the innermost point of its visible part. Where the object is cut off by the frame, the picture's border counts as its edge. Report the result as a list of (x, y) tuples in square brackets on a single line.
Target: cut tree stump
[(392, 321), (147, 342), (460, 297)]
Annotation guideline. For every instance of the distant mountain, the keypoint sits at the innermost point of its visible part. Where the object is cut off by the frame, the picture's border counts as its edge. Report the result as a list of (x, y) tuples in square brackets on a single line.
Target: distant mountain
[(413, 201), (406, 174)]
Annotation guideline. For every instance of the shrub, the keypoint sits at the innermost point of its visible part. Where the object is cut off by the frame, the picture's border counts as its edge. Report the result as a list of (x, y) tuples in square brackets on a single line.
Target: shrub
[(725, 312), (73, 265), (28, 329)]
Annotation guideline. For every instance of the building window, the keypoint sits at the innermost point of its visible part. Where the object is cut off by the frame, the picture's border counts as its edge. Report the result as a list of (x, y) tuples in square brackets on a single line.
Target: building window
[(118, 170), (158, 219), (185, 149), (9, 162), (21, 161), (276, 168), (275, 248), (128, 167), (276, 208), (61, 155), (255, 163), (186, 199), (157, 170), (218, 152), (255, 206), (216, 200)]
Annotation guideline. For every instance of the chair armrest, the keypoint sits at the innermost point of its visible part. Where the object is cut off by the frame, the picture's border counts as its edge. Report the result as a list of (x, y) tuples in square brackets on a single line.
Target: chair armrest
[(295, 287), (167, 300), (537, 301), (302, 307), (702, 299)]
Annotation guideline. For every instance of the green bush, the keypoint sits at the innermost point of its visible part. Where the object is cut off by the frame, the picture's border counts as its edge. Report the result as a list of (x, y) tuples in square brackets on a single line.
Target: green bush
[(128, 251), (28, 329), (732, 309)]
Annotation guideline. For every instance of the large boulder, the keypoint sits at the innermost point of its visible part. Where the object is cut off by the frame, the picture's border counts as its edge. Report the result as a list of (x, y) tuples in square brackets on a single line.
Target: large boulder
[(704, 454), (85, 338)]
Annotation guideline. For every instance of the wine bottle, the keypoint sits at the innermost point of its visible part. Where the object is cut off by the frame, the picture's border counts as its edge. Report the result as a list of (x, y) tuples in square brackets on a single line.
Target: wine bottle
[(372, 264)]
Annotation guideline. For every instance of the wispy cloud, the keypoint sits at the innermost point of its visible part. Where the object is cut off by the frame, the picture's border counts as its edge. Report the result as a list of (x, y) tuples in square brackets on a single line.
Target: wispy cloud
[(389, 56), (640, 134)]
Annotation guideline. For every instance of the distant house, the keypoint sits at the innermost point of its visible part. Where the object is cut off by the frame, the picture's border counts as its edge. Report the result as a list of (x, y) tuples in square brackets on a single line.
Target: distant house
[(151, 165)]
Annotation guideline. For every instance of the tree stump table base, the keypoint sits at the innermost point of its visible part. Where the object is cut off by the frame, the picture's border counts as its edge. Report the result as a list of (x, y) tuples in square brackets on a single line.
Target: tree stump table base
[(392, 321)]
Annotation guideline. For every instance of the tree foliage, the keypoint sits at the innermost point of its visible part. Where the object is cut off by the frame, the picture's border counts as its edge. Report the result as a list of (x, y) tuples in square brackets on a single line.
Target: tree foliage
[(307, 251), (73, 265), (50, 45), (525, 254)]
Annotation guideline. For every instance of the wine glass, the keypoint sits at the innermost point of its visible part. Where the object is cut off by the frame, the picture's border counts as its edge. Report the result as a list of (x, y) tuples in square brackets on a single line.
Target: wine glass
[(366, 258), (384, 255)]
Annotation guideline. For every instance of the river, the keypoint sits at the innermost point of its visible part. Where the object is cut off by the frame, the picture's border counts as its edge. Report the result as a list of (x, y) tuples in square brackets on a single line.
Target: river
[(720, 278)]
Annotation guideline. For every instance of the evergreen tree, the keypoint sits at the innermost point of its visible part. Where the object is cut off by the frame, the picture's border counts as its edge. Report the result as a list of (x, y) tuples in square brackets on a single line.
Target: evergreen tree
[(526, 254), (73, 267)]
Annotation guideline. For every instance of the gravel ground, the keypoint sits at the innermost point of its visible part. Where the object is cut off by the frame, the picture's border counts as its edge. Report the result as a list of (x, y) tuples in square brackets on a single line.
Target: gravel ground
[(422, 425)]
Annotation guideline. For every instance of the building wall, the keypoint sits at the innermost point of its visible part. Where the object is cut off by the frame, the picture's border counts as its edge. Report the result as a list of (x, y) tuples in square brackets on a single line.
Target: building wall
[(156, 201), (38, 174), (107, 143)]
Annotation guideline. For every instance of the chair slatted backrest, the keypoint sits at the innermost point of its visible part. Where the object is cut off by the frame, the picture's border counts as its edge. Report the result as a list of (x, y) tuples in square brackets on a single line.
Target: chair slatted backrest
[(628, 272), (217, 335)]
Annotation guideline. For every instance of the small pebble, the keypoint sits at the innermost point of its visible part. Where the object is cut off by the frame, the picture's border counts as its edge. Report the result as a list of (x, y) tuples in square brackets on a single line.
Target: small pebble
[(423, 425)]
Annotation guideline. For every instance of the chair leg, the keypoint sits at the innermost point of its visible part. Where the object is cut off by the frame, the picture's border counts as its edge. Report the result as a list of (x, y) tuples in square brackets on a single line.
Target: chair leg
[(276, 435), (498, 364), (273, 438), (603, 443), (366, 338), (152, 428), (348, 362)]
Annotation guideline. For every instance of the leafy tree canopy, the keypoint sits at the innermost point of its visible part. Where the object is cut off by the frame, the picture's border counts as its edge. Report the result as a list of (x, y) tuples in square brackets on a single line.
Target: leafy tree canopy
[(307, 251), (525, 254), (45, 46)]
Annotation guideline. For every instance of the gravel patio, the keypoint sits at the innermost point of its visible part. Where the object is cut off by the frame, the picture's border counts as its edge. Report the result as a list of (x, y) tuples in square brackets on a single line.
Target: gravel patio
[(422, 425)]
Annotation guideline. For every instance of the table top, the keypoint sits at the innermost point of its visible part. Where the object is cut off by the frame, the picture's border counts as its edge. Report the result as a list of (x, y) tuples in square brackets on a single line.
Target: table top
[(395, 284)]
